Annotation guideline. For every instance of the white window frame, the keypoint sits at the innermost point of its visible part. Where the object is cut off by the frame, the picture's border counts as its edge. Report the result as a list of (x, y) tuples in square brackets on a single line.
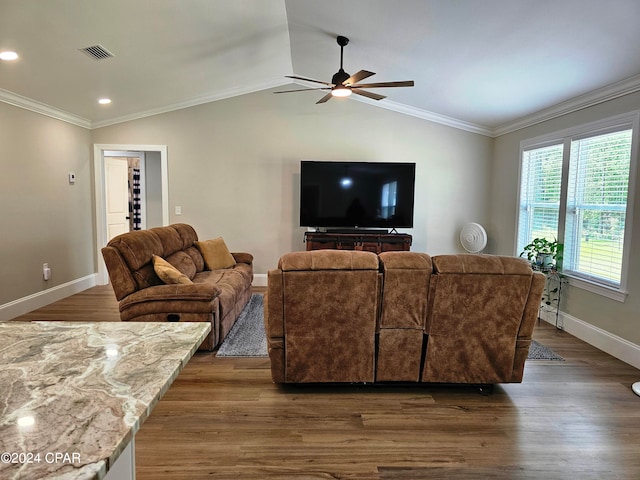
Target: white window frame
[(628, 120)]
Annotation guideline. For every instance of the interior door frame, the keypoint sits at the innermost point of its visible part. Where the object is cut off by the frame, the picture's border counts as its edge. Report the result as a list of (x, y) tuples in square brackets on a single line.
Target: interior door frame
[(102, 277)]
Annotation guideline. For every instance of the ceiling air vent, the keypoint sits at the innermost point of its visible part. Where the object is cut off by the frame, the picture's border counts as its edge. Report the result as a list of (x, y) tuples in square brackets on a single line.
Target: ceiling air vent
[(97, 52)]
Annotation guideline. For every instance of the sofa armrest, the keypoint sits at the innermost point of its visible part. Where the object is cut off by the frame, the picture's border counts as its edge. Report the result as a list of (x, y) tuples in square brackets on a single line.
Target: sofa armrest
[(120, 275), (203, 292), (532, 307), (274, 305), (243, 257)]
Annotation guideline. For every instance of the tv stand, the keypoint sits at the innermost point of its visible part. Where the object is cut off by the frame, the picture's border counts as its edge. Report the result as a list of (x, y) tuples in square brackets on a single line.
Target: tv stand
[(359, 240)]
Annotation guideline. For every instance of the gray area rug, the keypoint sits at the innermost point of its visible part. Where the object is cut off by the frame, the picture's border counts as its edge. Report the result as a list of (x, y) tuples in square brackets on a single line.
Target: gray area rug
[(537, 351), (248, 339)]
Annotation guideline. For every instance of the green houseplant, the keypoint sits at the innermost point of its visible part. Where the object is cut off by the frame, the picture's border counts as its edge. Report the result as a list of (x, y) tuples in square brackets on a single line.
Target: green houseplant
[(542, 253), (546, 256)]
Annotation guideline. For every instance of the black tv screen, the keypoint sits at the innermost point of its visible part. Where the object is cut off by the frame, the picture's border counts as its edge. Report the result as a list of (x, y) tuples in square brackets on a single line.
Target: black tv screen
[(356, 194)]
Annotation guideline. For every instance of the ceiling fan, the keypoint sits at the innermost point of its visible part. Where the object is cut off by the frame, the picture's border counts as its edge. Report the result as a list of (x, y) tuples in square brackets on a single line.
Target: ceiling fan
[(342, 84)]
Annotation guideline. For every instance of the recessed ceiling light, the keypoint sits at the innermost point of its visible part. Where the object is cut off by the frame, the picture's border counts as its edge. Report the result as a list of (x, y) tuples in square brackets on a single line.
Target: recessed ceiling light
[(104, 101), (7, 55)]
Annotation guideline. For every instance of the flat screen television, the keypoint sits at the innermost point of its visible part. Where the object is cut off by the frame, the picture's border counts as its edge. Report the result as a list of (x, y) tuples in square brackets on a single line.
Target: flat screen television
[(352, 195)]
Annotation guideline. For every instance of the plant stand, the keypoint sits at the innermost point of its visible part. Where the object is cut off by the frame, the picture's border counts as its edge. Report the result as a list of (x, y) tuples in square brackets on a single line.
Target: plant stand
[(552, 294)]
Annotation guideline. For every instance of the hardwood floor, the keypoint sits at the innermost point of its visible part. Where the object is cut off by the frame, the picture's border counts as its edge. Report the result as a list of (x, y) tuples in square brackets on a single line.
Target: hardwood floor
[(223, 418)]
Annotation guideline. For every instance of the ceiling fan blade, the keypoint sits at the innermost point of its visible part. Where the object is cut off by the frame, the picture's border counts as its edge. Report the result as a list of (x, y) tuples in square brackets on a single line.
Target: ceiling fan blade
[(309, 80), (326, 98), (364, 93), (304, 90), (408, 83), (356, 77)]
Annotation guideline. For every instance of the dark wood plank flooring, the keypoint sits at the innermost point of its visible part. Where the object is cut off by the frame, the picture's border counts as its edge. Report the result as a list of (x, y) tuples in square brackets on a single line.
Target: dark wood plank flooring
[(223, 418)]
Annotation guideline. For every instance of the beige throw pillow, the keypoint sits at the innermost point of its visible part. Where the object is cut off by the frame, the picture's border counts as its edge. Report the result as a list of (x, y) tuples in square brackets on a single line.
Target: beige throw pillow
[(216, 254), (167, 272)]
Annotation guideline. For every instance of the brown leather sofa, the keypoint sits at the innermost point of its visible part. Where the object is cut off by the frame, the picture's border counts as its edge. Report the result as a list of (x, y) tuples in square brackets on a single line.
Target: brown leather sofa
[(350, 316), (215, 296)]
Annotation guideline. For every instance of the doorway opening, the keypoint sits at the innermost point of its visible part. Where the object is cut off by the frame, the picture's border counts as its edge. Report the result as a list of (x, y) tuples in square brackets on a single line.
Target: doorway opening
[(153, 192)]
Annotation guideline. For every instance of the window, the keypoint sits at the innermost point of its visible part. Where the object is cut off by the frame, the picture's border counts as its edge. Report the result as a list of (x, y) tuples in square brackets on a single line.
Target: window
[(540, 194), (576, 188)]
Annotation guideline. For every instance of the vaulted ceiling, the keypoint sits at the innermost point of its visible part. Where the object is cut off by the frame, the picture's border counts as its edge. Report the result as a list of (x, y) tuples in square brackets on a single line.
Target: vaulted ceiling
[(483, 65)]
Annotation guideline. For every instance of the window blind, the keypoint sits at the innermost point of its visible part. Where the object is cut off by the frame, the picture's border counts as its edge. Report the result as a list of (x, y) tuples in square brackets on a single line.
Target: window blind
[(597, 205), (540, 186)]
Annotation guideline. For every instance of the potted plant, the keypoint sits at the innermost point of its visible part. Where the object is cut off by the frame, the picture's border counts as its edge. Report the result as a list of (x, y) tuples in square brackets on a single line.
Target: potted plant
[(542, 253)]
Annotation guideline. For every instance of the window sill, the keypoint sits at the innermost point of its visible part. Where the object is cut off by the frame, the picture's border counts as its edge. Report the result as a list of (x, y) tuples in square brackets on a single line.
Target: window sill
[(599, 289)]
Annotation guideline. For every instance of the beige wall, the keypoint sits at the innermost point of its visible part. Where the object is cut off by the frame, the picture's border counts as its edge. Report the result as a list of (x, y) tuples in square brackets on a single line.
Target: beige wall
[(621, 319), (234, 166), (44, 218), (234, 170)]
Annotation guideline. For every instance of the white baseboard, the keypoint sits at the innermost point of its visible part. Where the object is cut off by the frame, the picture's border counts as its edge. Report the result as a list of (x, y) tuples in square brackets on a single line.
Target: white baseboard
[(41, 299), (609, 343), (30, 303)]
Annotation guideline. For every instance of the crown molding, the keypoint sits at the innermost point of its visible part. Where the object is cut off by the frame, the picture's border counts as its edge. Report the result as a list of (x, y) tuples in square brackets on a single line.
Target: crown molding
[(604, 94), (609, 92), (43, 109), (595, 97), (192, 102), (415, 112), (426, 115)]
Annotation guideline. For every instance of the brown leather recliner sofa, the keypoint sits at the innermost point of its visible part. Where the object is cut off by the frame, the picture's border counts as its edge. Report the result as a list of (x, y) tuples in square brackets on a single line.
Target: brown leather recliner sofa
[(353, 316), (215, 296)]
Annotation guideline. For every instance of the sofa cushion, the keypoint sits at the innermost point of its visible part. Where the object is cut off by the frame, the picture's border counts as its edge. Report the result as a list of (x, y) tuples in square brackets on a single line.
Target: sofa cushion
[(182, 262), (167, 272), (186, 233), (169, 239), (137, 247), (216, 254), (230, 281), (196, 256)]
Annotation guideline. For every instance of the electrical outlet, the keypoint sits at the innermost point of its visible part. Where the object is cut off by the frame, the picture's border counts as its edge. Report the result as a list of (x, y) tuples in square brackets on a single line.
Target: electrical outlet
[(178, 210), (46, 271)]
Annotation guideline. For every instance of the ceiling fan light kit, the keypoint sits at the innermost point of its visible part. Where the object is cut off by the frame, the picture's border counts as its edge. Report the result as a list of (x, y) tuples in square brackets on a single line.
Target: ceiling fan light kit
[(342, 84), (340, 91)]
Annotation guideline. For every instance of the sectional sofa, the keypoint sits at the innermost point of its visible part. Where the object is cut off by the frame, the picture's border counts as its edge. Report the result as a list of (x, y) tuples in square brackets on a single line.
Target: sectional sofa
[(357, 317)]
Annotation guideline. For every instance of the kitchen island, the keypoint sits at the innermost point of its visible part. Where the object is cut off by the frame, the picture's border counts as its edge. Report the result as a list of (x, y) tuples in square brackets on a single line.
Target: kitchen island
[(73, 395)]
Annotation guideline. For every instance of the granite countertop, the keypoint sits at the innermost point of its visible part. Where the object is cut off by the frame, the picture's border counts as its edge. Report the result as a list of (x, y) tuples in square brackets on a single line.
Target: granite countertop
[(72, 395)]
